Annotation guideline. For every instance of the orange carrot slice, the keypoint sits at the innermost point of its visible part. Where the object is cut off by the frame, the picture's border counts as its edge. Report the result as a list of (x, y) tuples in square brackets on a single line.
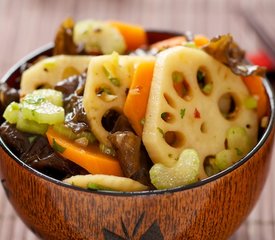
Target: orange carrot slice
[(170, 42), (256, 88), (137, 98), (134, 35), (90, 158), (200, 40)]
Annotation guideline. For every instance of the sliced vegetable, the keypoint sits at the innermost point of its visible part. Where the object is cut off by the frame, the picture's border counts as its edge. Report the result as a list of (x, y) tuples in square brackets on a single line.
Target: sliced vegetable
[(238, 140), (44, 112), (53, 96), (101, 96), (90, 158), (136, 101), (67, 132), (238, 145), (134, 35), (98, 37), (256, 88), (51, 70), (250, 102), (106, 182), (225, 159), (29, 126), (185, 171), (40, 107), (193, 127), (200, 40), (11, 112)]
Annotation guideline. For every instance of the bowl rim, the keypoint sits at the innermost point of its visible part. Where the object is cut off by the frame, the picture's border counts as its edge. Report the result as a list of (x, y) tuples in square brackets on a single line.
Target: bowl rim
[(47, 48)]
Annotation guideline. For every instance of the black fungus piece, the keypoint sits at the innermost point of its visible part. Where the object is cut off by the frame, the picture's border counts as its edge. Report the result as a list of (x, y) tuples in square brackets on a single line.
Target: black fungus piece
[(35, 151), (39, 146), (225, 50), (133, 158), (127, 146), (55, 166), (7, 95), (73, 85), (76, 117), (17, 141), (41, 157), (122, 124), (130, 151), (63, 43)]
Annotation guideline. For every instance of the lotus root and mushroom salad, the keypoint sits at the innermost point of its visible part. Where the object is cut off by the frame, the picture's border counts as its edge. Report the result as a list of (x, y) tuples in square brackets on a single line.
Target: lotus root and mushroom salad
[(111, 110)]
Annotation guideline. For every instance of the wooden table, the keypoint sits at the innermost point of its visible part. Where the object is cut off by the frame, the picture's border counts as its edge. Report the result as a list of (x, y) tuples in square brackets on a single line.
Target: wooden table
[(28, 24)]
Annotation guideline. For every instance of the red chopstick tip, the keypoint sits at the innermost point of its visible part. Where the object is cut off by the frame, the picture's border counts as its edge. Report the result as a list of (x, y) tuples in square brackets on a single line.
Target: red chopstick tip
[(262, 59)]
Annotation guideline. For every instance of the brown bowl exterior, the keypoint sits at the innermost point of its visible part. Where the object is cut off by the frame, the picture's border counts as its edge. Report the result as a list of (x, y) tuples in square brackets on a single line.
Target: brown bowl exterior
[(211, 209)]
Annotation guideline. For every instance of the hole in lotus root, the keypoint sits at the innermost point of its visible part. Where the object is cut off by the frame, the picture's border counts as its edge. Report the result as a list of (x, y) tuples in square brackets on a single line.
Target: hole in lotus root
[(105, 93), (204, 81), (228, 106), (226, 144), (174, 139), (169, 100), (109, 119), (203, 127), (69, 71), (167, 117), (181, 86), (42, 86)]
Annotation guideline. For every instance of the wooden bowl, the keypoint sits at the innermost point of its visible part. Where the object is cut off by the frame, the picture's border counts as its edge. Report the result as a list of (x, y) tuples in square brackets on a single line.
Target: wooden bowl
[(210, 209)]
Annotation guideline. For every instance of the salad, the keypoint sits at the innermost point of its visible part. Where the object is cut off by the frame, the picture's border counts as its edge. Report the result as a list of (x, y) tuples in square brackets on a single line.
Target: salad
[(111, 111)]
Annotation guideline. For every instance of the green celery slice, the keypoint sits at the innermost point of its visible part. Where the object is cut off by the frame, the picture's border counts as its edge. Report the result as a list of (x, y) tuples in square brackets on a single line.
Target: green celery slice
[(68, 133), (11, 112), (53, 96), (25, 125), (45, 112)]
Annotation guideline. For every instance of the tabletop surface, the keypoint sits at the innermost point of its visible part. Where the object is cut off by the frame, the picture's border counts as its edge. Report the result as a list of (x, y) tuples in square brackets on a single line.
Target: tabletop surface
[(28, 24)]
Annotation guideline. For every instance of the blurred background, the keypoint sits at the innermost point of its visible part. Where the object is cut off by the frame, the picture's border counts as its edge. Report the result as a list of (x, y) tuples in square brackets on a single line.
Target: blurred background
[(28, 24)]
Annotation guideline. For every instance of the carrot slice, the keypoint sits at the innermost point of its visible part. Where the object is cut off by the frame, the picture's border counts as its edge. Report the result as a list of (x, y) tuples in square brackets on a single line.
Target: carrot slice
[(90, 158), (200, 40), (256, 88), (134, 35), (137, 98), (170, 42)]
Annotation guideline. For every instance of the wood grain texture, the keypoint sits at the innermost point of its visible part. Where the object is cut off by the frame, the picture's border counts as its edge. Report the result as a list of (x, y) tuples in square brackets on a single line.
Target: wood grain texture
[(211, 211), (28, 24)]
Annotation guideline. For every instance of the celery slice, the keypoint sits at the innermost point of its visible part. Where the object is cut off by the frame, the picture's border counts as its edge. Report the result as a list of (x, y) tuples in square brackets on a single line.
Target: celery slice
[(238, 140), (68, 133), (11, 112), (26, 125), (184, 172), (251, 102), (226, 158), (45, 112), (53, 96), (43, 106)]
